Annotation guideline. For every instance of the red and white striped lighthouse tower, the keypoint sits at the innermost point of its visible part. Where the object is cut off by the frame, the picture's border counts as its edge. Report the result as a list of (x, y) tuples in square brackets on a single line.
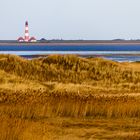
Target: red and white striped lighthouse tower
[(27, 38)]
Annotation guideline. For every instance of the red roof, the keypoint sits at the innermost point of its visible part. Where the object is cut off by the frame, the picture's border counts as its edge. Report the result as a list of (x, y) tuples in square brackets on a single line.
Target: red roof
[(20, 38), (32, 38)]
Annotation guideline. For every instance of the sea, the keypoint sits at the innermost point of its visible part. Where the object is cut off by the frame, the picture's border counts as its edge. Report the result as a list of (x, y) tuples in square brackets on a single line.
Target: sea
[(119, 53)]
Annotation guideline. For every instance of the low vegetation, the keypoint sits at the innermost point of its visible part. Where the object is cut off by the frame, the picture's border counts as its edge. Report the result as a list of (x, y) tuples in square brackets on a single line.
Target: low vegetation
[(68, 97)]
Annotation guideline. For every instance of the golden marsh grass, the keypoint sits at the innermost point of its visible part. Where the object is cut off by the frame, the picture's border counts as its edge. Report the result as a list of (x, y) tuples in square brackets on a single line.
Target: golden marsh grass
[(68, 97)]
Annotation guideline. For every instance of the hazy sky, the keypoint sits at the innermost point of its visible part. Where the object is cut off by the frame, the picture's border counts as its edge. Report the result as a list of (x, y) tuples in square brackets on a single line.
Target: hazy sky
[(71, 19)]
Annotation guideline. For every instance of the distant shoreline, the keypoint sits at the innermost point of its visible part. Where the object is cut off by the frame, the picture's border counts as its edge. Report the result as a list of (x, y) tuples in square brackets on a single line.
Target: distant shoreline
[(69, 43)]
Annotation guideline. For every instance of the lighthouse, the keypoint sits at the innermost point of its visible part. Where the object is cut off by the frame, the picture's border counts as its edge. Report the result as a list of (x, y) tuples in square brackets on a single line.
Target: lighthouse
[(26, 37)]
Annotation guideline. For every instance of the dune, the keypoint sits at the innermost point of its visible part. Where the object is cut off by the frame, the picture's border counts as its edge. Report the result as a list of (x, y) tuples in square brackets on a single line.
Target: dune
[(68, 97)]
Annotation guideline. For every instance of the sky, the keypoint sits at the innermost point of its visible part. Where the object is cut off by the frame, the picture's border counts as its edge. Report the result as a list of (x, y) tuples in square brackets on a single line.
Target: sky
[(71, 19)]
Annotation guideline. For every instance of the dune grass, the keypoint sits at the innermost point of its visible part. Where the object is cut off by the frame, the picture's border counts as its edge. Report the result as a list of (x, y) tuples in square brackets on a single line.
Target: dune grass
[(69, 69), (68, 97)]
